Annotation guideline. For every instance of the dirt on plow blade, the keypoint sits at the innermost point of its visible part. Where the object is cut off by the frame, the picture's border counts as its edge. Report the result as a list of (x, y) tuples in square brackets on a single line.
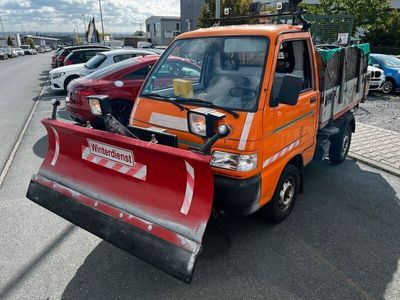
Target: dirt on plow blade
[(151, 200)]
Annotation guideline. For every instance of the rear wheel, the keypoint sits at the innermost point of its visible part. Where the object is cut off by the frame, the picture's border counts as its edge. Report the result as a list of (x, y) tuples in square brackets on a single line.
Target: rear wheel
[(388, 86), (340, 146), (121, 110), (285, 195)]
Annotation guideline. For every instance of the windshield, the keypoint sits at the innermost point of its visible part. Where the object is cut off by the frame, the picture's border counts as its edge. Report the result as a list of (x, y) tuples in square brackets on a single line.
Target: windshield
[(390, 61), (95, 61), (224, 71)]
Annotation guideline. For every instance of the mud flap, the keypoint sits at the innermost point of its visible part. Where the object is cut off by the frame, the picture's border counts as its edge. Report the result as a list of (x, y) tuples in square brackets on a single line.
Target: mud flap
[(151, 200)]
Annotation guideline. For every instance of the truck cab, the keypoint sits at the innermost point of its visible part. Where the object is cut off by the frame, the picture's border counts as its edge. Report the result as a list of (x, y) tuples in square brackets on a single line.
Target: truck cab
[(245, 73)]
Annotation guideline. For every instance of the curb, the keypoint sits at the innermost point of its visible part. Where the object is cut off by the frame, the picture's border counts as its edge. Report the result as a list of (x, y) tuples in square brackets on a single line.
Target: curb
[(375, 164)]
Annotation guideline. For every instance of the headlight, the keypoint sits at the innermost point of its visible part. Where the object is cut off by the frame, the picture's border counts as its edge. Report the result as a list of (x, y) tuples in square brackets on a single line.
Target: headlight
[(95, 107), (58, 75), (198, 124), (236, 162)]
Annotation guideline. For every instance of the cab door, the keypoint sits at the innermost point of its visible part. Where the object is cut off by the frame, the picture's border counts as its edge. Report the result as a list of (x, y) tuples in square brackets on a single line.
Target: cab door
[(290, 127)]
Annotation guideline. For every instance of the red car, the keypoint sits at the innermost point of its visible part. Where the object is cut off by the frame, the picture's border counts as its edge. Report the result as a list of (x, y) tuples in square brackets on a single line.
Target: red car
[(121, 82)]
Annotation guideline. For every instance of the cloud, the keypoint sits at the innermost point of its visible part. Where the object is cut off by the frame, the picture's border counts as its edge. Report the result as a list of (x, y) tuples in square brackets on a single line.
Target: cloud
[(65, 15)]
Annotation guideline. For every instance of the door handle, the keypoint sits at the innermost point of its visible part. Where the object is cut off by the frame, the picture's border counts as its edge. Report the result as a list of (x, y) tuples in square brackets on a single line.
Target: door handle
[(313, 100)]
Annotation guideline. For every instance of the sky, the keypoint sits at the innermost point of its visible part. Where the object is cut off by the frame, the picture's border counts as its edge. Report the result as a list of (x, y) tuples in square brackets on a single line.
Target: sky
[(64, 15)]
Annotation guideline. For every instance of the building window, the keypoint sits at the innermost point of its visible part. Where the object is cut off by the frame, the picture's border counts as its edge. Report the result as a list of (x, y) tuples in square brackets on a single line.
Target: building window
[(155, 30), (148, 27), (177, 26)]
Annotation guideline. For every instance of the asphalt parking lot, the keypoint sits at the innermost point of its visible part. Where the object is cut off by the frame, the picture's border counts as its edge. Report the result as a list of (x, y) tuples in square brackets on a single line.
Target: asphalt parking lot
[(342, 240)]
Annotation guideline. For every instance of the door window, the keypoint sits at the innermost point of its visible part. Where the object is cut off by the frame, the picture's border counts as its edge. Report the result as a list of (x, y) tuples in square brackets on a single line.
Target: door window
[(294, 59), (138, 74)]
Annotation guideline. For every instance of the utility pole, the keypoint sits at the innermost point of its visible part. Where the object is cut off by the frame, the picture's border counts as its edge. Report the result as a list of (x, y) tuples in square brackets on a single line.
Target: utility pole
[(102, 24), (2, 28), (218, 10)]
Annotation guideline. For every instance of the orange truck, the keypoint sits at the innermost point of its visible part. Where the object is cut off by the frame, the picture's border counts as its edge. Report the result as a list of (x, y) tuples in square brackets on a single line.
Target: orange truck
[(231, 130)]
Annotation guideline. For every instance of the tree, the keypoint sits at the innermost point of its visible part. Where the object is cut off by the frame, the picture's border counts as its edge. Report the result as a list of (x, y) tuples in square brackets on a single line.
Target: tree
[(237, 8), (29, 42), (386, 34), (367, 14), (9, 41)]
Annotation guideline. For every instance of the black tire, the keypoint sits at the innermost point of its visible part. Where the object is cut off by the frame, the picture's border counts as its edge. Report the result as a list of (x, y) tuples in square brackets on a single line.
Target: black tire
[(285, 195), (340, 146), (121, 110), (68, 80), (388, 86)]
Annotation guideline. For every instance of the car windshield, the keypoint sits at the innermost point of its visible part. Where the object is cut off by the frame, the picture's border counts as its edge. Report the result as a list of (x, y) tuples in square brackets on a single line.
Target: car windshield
[(95, 61), (390, 61), (224, 71)]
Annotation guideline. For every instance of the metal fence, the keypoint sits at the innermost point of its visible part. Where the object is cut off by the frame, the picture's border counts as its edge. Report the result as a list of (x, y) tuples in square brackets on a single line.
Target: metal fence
[(325, 29)]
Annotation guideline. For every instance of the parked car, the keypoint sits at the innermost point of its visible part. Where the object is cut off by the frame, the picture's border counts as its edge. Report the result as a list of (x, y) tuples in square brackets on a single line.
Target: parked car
[(54, 62), (391, 67), (41, 50), (377, 78), (105, 59), (121, 82), (81, 55), (3, 54), (47, 49), (67, 50), (11, 52), (27, 49), (62, 76), (34, 52), (20, 51)]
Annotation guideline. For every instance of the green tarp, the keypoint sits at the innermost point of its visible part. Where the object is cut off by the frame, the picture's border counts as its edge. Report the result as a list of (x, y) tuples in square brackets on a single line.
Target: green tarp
[(327, 54)]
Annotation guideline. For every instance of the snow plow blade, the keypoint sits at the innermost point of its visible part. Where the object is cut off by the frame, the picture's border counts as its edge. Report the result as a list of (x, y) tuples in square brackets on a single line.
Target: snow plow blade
[(151, 200)]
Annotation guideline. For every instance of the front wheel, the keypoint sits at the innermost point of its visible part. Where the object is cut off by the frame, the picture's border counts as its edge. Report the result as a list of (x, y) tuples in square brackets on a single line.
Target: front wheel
[(388, 86), (340, 146), (285, 195)]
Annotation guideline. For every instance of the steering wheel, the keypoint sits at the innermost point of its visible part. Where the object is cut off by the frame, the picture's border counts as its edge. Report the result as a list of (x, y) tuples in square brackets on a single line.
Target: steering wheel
[(245, 89)]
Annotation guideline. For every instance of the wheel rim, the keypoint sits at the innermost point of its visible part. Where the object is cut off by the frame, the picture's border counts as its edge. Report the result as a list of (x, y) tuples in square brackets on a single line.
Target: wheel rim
[(346, 143), (286, 194), (387, 87), (121, 111)]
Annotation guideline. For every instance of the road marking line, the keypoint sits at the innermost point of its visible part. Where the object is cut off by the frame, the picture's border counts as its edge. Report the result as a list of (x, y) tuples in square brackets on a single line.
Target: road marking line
[(17, 144)]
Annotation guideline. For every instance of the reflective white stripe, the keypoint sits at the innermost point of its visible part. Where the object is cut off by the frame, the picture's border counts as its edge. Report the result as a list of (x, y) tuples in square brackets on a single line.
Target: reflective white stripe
[(138, 171), (134, 110), (187, 201), (56, 148), (245, 131), (169, 121), (281, 153)]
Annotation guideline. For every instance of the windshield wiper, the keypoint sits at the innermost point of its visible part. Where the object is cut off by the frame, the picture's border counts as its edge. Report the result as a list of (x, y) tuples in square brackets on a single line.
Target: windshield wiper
[(205, 103), (158, 96)]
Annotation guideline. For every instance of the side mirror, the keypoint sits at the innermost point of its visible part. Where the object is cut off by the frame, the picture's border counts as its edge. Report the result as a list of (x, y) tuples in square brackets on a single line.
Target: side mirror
[(289, 91)]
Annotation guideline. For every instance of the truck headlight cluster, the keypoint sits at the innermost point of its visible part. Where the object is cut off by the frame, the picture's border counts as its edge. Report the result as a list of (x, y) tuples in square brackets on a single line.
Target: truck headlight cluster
[(95, 107), (235, 162), (198, 124)]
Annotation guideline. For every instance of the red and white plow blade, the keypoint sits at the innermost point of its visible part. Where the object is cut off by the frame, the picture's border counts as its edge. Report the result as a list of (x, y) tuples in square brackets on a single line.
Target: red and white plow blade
[(151, 200)]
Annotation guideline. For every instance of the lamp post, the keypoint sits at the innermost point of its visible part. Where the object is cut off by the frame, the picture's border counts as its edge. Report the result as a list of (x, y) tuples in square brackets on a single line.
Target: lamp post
[(84, 26), (2, 28), (102, 24)]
